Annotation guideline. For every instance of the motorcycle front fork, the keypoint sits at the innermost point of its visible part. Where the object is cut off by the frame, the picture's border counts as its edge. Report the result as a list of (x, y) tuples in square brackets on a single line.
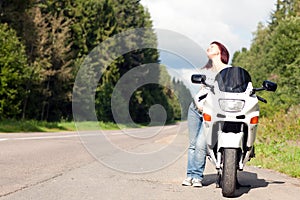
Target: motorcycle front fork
[(218, 160)]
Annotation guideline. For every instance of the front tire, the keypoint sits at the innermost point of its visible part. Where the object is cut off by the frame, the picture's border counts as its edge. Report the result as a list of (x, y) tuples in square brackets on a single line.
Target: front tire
[(229, 175)]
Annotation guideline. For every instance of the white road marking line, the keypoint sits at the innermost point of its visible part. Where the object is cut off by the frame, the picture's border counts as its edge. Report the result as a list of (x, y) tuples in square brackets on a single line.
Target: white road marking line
[(59, 136), (38, 138)]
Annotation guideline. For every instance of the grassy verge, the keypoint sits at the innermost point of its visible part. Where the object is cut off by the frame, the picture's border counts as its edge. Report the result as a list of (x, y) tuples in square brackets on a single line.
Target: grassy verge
[(278, 143), (10, 126)]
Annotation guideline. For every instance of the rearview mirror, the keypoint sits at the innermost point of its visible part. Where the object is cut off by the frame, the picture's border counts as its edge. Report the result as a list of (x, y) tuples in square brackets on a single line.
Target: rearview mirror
[(269, 86), (198, 78)]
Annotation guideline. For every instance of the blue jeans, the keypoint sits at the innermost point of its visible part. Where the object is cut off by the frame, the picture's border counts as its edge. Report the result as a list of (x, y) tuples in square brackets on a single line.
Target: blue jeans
[(197, 146)]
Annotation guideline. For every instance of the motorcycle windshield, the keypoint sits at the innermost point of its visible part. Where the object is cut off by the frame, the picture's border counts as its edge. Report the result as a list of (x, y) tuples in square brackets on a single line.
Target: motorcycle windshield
[(233, 79)]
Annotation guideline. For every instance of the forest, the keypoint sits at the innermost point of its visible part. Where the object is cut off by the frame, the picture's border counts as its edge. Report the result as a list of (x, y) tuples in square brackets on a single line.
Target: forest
[(44, 42), (275, 55)]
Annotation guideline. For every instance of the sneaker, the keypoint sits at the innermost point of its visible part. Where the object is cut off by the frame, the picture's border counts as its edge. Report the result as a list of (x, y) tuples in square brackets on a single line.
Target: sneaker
[(196, 182), (187, 181)]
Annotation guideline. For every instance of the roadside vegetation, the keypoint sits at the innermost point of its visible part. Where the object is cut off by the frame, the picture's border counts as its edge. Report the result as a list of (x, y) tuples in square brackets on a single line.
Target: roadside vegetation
[(13, 126), (278, 143), (274, 55)]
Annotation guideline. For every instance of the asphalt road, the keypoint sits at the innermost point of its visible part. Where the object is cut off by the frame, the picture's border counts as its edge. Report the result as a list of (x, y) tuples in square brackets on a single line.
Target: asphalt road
[(132, 164)]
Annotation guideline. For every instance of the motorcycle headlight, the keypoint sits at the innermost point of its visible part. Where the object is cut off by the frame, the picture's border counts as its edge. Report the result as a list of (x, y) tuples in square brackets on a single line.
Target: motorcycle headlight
[(231, 105)]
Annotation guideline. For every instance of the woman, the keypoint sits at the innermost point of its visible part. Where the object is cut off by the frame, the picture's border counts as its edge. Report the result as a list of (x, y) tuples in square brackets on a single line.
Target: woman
[(218, 57)]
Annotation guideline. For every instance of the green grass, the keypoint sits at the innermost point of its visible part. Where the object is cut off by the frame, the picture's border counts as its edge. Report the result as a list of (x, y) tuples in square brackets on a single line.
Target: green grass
[(14, 126), (278, 143), (7, 126), (280, 157)]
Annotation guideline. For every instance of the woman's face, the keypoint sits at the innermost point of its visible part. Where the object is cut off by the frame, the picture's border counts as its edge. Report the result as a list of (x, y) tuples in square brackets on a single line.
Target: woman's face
[(212, 51)]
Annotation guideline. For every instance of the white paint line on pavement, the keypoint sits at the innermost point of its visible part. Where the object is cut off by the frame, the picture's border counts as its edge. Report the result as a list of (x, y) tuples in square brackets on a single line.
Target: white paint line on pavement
[(58, 136), (77, 135)]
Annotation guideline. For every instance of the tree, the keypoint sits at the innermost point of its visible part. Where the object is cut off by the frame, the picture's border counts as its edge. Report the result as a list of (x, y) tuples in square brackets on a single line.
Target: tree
[(284, 9), (51, 63), (178, 95), (58, 36), (14, 72), (274, 55), (284, 56)]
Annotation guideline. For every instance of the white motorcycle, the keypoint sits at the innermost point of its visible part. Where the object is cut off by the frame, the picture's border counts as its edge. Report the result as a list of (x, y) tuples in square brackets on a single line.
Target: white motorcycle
[(230, 114)]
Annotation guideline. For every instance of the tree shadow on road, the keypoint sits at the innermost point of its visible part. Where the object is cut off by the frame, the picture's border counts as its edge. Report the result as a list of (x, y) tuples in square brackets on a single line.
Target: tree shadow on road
[(244, 178)]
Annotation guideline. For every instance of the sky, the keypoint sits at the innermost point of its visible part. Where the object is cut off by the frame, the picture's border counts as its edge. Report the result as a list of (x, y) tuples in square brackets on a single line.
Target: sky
[(231, 22)]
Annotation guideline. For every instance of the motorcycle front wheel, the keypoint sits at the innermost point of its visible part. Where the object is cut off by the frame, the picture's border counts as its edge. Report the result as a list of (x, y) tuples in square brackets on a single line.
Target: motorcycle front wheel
[(229, 172)]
